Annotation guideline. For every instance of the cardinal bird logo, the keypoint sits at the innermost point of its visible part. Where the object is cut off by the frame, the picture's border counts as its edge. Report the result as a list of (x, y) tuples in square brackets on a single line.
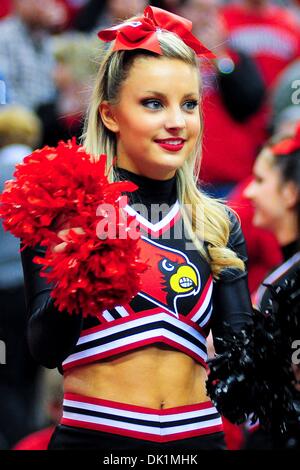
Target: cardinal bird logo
[(171, 276)]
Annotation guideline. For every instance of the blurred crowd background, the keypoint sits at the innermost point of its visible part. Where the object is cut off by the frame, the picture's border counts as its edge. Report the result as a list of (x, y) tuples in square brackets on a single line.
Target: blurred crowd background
[(49, 53)]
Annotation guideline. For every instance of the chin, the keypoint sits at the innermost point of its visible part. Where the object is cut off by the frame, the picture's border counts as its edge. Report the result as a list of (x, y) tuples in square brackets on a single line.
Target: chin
[(167, 165), (172, 162), (260, 222)]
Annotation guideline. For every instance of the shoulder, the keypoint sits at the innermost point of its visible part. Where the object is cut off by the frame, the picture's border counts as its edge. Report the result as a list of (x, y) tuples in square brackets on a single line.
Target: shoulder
[(278, 277), (236, 243), (236, 236)]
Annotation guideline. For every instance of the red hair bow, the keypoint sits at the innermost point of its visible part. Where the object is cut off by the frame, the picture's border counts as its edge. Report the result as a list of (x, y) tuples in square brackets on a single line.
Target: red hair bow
[(288, 145), (141, 32)]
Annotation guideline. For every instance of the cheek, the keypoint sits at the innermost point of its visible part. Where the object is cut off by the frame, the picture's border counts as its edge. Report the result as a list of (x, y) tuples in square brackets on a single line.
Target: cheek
[(263, 215), (265, 193), (139, 127), (194, 125), (269, 206)]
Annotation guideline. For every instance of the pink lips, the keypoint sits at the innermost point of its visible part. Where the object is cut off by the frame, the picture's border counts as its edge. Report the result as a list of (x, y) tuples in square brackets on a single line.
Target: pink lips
[(171, 144)]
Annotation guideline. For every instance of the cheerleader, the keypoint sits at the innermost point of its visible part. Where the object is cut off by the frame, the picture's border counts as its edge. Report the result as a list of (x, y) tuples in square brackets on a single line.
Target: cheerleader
[(135, 375), (274, 192)]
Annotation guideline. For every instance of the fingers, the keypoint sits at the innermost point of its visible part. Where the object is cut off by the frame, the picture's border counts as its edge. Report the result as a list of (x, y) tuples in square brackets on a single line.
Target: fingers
[(59, 248), (63, 234)]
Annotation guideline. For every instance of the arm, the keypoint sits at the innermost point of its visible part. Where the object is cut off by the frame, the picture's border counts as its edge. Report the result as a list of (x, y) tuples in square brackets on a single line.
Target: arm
[(231, 298), (51, 334)]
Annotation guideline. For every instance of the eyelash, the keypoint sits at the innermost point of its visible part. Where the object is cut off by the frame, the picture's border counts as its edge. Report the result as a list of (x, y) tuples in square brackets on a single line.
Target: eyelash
[(147, 102)]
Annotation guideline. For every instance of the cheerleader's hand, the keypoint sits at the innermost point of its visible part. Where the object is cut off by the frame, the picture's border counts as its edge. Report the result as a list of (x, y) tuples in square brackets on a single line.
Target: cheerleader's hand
[(63, 234)]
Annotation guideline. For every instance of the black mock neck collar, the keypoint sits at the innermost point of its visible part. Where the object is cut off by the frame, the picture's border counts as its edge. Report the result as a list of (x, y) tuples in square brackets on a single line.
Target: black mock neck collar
[(290, 250), (150, 191)]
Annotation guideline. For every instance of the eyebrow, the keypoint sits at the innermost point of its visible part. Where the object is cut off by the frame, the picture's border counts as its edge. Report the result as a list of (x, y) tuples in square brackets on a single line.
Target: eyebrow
[(162, 95)]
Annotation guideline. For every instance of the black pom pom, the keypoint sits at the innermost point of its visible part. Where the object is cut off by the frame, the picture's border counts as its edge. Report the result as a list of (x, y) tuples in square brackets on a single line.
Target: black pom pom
[(253, 378)]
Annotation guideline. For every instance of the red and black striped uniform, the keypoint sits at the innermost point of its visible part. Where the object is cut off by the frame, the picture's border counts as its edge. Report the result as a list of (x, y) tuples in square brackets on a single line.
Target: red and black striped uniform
[(178, 303)]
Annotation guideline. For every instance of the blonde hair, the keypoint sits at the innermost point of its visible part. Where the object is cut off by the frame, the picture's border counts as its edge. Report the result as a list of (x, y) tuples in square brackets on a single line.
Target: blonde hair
[(97, 139), (19, 125)]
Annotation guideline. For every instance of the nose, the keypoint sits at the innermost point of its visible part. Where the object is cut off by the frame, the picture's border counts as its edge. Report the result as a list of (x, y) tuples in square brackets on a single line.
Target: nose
[(249, 190), (175, 119)]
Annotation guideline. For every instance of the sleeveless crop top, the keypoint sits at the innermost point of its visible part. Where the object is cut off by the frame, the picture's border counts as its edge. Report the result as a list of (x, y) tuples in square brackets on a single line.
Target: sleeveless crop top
[(174, 305)]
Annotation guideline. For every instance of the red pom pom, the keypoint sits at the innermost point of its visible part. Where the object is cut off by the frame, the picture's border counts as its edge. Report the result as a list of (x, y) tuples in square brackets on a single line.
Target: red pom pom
[(99, 268), (51, 183)]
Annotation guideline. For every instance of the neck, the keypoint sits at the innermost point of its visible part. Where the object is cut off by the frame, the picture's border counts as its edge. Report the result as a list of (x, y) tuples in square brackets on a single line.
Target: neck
[(151, 171), (290, 249), (150, 190), (287, 230)]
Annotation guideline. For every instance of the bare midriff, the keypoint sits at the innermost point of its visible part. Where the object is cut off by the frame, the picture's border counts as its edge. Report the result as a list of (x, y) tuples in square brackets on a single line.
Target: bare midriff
[(154, 377)]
